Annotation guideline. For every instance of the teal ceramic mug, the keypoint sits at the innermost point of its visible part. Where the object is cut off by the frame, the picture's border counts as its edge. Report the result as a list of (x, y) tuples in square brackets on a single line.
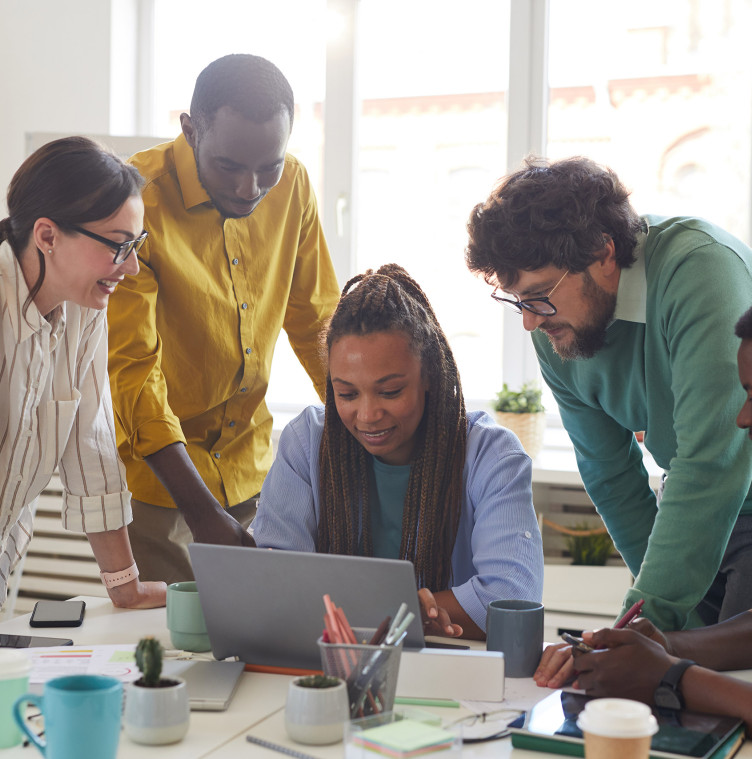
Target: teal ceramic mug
[(81, 717), (185, 619), (14, 682)]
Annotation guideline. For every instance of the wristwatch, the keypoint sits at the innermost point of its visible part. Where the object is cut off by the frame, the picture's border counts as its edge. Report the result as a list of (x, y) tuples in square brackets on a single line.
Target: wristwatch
[(667, 695)]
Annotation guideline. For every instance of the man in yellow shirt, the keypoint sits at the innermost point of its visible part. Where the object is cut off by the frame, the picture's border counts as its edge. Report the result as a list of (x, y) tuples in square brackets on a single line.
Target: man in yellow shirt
[(235, 253)]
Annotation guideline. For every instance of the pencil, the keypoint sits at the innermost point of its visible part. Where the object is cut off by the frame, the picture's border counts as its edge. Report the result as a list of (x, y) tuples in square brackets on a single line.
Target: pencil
[(632, 612), (278, 747)]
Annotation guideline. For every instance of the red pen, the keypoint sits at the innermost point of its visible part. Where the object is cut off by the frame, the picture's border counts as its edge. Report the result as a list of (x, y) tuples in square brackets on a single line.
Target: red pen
[(632, 612)]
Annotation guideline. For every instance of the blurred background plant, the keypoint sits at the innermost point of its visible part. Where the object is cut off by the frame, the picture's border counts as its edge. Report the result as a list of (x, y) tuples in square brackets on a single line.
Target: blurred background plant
[(591, 547), (526, 400)]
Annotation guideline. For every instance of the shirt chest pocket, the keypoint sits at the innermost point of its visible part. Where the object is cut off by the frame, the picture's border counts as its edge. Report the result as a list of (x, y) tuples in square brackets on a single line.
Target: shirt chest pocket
[(57, 429)]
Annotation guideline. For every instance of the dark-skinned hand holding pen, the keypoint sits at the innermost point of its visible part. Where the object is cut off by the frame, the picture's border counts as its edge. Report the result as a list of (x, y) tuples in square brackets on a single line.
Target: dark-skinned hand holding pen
[(556, 667)]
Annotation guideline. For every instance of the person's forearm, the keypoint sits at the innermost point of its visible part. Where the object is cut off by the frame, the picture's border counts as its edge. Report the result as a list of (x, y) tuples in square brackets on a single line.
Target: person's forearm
[(112, 550), (716, 646), (204, 515), (447, 600), (712, 693), (174, 469)]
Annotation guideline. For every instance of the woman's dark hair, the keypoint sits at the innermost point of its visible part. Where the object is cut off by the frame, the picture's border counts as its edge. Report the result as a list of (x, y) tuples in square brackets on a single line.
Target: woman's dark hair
[(249, 84), (390, 301), (556, 214), (71, 181)]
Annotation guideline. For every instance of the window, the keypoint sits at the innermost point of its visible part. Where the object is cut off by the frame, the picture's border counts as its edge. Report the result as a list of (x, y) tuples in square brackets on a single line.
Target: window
[(658, 91), (432, 144)]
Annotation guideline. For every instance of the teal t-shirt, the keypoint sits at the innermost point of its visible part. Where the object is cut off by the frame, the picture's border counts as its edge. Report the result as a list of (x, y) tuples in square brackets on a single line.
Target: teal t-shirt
[(387, 501)]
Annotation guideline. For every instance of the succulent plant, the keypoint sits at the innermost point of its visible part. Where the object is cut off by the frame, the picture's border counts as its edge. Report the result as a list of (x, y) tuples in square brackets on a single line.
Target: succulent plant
[(149, 653), (318, 681)]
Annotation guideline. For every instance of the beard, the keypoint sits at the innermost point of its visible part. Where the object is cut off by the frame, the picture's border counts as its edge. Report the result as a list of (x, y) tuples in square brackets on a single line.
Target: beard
[(588, 339)]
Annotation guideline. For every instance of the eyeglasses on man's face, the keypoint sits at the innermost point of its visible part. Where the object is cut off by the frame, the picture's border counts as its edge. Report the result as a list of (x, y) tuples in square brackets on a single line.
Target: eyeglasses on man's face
[(122, 249), (539, 306)]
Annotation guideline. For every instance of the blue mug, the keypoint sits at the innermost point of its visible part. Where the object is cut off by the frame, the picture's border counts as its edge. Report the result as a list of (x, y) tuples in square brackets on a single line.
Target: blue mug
[(81, 717)]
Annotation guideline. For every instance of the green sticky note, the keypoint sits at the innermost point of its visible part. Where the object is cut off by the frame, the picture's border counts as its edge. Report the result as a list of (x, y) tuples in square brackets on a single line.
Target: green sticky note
[(120, 656), (405, 738)]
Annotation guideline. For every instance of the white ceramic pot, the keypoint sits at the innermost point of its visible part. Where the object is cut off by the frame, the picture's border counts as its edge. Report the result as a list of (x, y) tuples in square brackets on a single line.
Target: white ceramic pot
[(156, 715), (316, 716)]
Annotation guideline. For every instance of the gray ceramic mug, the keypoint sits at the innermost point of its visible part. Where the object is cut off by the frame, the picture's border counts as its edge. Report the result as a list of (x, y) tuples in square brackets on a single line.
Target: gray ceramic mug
[(516, 629)]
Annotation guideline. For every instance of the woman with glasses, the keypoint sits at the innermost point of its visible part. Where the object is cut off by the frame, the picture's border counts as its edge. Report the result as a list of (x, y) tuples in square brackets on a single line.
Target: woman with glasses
[(394, 467), (75, 223)]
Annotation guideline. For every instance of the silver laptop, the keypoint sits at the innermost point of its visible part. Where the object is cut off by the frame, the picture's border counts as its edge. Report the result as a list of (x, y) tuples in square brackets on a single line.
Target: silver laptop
[(210, 684), (266, 607)]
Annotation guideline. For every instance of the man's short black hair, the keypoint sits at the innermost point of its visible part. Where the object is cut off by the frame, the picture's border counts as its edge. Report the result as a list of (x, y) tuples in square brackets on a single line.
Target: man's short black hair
[(743, 328), (249, 84)]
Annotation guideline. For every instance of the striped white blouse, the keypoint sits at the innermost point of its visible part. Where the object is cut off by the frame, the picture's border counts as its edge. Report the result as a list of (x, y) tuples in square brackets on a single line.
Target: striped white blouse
[(55, 410)]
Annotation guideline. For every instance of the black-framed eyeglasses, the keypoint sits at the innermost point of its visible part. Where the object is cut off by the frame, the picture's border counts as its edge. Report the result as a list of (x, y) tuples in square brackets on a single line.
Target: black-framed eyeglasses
[(539, 306), (122, 249)]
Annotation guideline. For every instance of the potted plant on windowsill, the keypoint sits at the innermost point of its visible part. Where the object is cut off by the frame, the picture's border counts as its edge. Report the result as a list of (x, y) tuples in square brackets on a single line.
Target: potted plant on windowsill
[(156, 707), (522, 412)]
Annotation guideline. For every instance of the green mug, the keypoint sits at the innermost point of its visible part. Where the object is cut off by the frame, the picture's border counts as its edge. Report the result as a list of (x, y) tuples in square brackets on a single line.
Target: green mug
[(14, 682), (185, 619)]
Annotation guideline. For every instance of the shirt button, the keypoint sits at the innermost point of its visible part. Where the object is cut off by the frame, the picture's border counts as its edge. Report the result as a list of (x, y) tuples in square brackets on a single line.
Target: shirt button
[(249, 350), (244, 306), (528, 534), (243, 389), (232, 424), (235, 261), (217, 455)]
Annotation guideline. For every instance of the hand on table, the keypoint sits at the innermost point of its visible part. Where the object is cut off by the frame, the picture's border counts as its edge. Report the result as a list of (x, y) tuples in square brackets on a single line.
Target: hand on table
[(436, 619), (138, 595), (556, 667), (630, 666)]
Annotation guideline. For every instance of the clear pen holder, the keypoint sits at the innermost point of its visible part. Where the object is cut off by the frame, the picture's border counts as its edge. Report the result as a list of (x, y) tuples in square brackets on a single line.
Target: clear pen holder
[(370, 672)]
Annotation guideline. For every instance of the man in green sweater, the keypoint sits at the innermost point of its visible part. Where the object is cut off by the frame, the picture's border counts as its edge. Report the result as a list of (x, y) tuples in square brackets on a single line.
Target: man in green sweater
[(633, 324)]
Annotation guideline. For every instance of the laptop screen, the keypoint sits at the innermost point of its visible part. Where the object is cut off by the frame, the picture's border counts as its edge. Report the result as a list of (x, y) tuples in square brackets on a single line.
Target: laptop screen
[(266, 607)]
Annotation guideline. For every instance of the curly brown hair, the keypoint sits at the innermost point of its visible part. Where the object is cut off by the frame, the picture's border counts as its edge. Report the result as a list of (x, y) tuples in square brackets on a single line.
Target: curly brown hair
[(557, 214), (390, 301)]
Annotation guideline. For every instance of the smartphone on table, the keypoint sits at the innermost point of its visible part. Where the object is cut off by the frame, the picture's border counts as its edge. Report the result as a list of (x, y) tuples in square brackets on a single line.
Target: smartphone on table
[(57, 614)]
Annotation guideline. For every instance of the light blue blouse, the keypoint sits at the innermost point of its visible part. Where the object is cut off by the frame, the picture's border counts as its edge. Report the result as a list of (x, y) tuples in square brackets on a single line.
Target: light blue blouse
[(498, 552)]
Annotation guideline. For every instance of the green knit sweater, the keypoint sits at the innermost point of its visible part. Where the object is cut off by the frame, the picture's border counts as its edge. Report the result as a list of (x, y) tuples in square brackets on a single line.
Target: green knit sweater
[(674, 376)]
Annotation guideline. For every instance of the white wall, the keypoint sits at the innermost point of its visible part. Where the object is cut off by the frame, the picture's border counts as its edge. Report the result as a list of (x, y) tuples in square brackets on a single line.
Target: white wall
[(56, 73)]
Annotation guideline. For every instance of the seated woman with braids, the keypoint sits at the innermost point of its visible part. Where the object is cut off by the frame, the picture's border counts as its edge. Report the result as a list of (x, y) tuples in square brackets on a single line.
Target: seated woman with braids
[(394, 467)]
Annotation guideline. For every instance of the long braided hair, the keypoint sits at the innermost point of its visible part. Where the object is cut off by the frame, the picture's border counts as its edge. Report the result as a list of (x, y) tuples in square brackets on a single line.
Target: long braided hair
[(390, 301)]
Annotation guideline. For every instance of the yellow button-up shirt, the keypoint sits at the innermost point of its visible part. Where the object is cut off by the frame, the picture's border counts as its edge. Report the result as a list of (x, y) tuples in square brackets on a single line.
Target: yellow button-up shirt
[(192, 335)]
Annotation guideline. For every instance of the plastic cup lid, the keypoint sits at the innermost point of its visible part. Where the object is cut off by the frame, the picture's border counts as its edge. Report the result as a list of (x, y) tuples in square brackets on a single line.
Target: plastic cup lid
[(617, 718), (13, 664)]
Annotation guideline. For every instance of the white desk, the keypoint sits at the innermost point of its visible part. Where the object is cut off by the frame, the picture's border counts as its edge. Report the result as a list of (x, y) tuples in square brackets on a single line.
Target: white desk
[(257, 707)]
